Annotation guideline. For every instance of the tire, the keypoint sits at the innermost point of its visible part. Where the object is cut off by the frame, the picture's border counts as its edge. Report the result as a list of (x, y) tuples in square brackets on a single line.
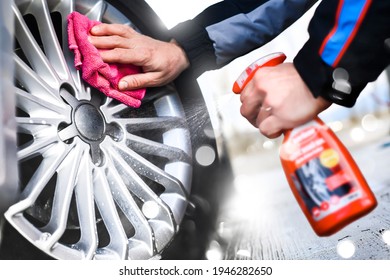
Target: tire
[(8, 169), (119, 191)]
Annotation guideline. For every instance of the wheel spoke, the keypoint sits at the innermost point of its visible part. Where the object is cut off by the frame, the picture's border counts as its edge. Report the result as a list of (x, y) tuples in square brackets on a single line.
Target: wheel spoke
[(33, 52), (33, 82), (45, 172), (152, 123), (35, 147), (149, 147), (88, 242), (117, 247), (33, 126), (36, 106), (66, 177), (64, 8), (68, 133), (163, 223), (143, 236), (50, 41), (146, 168)]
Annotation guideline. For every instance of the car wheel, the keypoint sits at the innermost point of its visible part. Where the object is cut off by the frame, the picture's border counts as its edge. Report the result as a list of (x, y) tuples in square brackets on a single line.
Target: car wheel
[(98, 180)]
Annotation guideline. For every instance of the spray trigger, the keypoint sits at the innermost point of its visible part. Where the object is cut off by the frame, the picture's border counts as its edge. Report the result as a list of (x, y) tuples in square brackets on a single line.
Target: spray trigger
[(272, 59)]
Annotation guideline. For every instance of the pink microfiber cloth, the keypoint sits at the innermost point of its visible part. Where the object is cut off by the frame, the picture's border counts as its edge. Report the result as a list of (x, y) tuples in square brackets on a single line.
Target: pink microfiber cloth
[(95, 71)]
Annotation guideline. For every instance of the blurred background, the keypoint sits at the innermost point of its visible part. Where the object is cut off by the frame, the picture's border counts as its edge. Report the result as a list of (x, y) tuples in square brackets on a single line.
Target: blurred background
[(260, 219)]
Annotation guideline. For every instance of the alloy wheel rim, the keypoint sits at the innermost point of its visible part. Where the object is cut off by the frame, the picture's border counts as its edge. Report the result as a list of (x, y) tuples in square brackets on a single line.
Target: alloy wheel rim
[(99, 180)]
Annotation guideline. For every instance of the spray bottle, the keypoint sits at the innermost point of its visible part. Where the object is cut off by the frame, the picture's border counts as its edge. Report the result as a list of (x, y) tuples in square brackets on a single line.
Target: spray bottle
[(324, 178)]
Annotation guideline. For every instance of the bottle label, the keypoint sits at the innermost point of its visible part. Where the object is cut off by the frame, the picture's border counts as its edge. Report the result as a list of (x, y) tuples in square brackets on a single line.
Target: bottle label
[(319, 172)]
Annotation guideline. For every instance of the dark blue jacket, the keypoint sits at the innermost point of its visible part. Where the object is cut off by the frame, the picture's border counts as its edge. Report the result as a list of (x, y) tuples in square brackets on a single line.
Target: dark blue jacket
[(347, 35), (349, 46), (232, 28)]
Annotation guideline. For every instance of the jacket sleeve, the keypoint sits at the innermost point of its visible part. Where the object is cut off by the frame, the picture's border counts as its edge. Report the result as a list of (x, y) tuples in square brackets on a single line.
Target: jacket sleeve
[(348, 47), (232, 28)]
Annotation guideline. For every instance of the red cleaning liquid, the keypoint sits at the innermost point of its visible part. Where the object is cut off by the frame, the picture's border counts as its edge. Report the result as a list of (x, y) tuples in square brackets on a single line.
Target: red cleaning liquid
[(324, 178)]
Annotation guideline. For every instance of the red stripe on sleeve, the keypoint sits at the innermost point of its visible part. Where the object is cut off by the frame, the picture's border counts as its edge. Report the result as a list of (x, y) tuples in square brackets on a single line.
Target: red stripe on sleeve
[(353, 34), (334, 29)]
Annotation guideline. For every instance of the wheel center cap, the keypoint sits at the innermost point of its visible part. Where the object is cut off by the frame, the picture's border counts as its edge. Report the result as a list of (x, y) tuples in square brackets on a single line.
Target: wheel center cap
[(89, 122)]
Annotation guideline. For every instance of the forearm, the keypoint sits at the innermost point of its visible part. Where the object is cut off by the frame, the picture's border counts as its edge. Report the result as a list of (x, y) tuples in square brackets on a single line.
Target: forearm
[(230, 29), (352, 41)]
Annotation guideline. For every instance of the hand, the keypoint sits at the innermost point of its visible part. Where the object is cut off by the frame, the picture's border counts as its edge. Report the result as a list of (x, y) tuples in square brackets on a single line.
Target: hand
[(277, 99), (160, 61)]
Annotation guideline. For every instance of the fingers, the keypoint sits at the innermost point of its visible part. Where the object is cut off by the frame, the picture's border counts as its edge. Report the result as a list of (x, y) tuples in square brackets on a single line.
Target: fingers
[(124, 56), (251, 103), (105, 29), (262, 118), (256, 109), (264, 112), (107, 42), (271, 127), (142, 80), (111, 36), (251, 110)]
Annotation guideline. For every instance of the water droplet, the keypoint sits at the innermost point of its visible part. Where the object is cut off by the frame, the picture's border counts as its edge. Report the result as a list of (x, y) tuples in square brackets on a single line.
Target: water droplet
[(44, 236), (243, 253), (346, 249), (150, 209), (205, 155), (214, 251), (386, 236)]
